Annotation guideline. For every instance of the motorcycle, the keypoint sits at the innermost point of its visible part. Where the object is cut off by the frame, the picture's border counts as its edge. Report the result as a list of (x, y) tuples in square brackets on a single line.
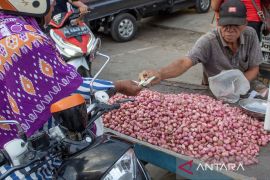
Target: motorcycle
[(75, 41), (84, 155)]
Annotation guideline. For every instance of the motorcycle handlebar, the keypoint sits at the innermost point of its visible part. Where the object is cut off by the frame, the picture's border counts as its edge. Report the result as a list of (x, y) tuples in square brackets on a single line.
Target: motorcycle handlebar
[(101, 109), (35, 163), (35, 166), (76, 11)]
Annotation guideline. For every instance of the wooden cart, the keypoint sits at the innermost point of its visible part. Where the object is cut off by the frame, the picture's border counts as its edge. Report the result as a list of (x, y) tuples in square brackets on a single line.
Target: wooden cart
[(196, 169)]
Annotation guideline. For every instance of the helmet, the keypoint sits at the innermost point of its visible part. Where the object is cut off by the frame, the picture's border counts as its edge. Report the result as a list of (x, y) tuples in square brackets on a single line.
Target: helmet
[(36, 8)]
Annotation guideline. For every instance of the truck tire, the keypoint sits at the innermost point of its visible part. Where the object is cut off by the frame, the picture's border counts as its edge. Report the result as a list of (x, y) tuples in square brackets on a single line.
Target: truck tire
[(124, 27), (202, 6)]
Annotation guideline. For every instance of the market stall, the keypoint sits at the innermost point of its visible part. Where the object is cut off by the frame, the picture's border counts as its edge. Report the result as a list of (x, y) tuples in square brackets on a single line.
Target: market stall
[(181, 164)]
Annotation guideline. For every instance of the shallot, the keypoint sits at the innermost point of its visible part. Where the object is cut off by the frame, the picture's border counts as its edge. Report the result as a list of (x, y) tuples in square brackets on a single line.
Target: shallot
[(191, 124)]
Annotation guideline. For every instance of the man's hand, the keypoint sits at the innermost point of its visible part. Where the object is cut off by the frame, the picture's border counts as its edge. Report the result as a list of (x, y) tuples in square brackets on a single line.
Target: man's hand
[(150, 73), (83, 9), (127, 87)]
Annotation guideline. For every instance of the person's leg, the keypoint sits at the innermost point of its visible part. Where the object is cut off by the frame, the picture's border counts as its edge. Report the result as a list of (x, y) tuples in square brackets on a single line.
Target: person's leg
[(257, 26), (48, 17)]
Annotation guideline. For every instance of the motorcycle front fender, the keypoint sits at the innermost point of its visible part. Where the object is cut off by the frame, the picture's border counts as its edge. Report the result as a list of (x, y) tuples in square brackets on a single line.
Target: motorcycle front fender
[(79, 61), (94, 161)]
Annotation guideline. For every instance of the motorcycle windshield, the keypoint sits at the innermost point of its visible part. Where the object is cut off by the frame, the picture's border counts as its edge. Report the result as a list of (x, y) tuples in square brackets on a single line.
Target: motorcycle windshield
[(37, 8)]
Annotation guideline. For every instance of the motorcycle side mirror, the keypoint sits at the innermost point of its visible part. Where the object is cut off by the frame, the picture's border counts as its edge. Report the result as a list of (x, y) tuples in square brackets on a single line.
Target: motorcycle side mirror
[(100, 70), (96, 46)]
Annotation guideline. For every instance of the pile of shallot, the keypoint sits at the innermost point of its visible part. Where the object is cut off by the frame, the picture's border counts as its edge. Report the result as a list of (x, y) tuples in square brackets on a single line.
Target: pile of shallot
[(190, 124)]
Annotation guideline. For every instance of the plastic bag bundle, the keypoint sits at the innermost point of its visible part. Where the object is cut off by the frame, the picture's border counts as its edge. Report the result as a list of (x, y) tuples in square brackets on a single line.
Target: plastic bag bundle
[(229, 85)]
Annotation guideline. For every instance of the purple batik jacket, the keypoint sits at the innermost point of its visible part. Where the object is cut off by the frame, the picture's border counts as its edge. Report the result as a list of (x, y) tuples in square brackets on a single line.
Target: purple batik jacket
[(32, 76)]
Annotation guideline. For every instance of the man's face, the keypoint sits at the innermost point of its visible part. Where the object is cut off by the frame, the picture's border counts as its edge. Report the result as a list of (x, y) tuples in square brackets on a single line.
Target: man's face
[(231, 33)]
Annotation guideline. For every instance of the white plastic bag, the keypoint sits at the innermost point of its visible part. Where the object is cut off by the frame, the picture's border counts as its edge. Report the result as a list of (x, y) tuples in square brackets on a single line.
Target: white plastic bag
[(229, 85)]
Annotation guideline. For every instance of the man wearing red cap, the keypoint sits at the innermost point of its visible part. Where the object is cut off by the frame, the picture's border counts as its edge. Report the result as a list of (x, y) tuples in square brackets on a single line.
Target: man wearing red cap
[(232, 45), (252, 15)]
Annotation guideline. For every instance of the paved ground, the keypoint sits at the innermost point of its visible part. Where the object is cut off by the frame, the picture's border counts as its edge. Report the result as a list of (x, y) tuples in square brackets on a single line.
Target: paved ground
[(186, 19), (158, 43), (160, 40)]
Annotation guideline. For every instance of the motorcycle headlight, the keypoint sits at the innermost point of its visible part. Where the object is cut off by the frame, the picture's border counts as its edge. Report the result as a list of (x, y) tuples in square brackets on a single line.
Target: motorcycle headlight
[(124, 168), (65, 48), (71, 52)]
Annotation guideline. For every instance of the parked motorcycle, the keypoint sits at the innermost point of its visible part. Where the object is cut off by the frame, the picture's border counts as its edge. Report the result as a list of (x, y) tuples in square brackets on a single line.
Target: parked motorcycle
[(75, 41), (84, 155)]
